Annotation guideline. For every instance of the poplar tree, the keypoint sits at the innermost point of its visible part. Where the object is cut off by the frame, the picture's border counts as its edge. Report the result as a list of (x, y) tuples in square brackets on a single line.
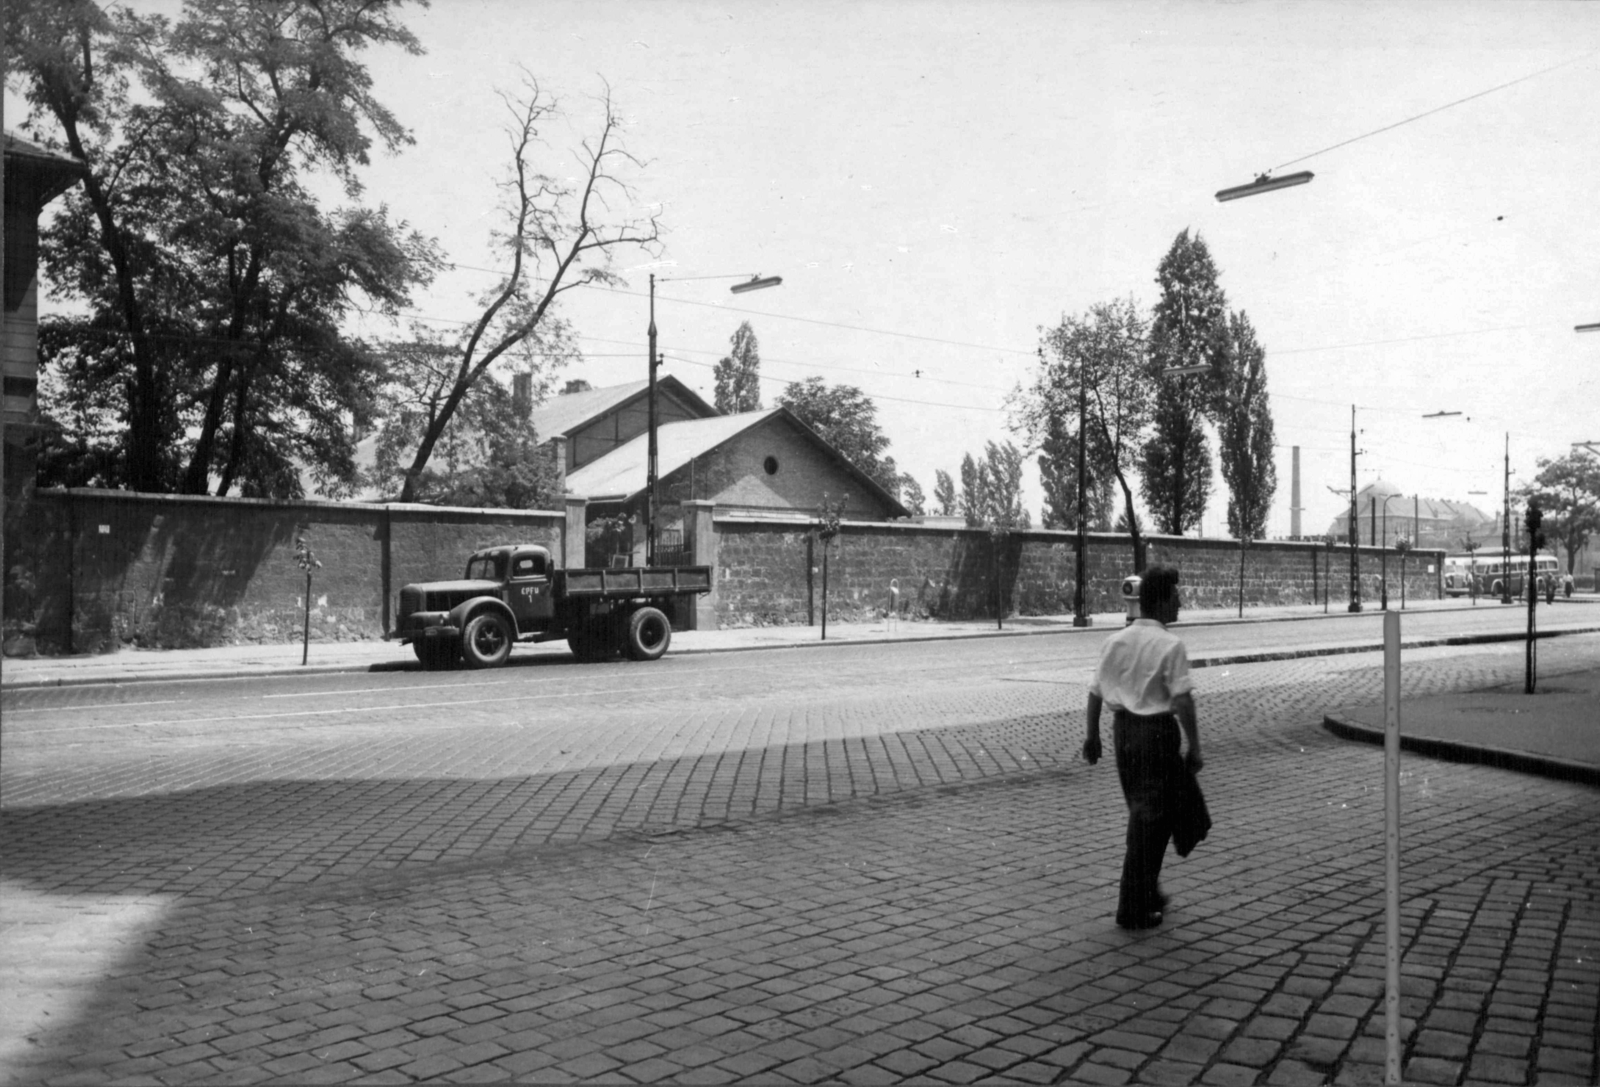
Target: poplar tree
[(1187, 328), (1245, 431), (738, 373), (1058, 474)]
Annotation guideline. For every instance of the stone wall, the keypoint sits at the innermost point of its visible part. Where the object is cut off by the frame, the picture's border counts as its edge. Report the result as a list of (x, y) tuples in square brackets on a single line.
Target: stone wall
[(770, 572), (94, 570)]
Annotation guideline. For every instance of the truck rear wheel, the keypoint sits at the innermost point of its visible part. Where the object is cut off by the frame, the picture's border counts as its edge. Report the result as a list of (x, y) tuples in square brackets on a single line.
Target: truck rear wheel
[(648, 634), (486, 643)]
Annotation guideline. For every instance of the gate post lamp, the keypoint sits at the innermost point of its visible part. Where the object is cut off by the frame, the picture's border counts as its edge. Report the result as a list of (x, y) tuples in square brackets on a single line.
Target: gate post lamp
[(755, 283)]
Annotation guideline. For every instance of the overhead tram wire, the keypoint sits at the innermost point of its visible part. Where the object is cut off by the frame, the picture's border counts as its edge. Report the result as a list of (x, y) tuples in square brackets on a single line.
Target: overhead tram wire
[(816, 321), (1436, 109), (1016, 351), (875, 396)]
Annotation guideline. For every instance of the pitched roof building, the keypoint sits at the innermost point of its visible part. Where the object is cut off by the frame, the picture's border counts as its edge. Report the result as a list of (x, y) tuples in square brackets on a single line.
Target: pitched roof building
[(766, 463), (591, 423)]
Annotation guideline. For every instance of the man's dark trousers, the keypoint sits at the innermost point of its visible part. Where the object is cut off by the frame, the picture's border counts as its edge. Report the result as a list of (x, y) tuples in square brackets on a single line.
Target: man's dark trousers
[(1148, 763)]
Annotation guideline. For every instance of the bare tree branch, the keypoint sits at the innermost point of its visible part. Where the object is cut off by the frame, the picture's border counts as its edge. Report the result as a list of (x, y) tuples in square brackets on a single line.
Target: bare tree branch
[(574, 231)]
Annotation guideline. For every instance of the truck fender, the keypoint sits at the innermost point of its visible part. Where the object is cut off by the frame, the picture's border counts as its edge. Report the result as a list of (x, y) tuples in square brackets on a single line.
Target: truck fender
[(468, 608)]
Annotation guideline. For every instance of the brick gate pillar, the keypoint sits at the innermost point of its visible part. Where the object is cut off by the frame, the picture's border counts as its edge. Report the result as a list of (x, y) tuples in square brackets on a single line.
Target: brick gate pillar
[(703, 540), (574, 543)]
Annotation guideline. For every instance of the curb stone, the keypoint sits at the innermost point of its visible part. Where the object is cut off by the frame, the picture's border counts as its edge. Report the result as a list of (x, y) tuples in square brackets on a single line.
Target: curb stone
[(1454, 751)]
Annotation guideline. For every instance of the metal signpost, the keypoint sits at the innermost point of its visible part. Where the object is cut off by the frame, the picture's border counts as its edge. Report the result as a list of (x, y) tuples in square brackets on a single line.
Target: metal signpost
[(1391, 838)]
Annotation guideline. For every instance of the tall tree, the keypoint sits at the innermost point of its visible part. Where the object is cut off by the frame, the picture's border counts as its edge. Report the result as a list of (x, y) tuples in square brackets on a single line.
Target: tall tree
[(911, 496), (847, 419), (1058, 473), (944, 492), (1567, 489), (1175, 464), (194, 243), (974, 501), (1102, 353), (554, 236), (1245, 432), (1004, 471), (1187, 329), (738, 373)]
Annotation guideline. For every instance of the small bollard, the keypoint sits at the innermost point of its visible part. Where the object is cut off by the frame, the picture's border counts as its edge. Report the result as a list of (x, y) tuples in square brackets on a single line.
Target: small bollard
[(892, 620), (1130, 597)]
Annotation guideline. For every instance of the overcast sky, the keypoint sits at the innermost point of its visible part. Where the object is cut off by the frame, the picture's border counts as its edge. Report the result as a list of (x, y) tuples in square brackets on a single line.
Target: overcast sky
[(934, 181)]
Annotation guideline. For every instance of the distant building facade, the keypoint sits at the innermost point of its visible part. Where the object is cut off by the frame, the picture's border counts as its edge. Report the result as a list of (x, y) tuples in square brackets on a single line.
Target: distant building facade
[(1384, 513)]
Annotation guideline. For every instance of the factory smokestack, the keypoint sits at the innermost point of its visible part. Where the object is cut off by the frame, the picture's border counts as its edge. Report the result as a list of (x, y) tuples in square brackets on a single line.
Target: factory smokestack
[(1294, 498)]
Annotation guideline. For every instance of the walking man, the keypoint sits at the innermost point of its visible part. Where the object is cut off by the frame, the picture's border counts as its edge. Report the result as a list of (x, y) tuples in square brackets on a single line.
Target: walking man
[(1143, 676)]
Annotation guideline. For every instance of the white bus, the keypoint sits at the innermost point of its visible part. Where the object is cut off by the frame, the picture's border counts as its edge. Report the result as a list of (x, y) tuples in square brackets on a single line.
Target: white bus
[(1485, 573)]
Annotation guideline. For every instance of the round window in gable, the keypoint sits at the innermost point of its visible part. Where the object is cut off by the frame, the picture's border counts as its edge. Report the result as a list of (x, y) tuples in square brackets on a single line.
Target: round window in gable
[(771, 465)]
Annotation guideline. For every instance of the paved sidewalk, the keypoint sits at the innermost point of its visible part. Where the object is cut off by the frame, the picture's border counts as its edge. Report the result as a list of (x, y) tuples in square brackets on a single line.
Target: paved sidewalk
[(1555, 731)]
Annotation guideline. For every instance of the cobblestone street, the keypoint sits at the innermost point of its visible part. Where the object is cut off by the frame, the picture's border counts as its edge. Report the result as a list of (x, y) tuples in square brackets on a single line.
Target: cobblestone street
[(876, 883)]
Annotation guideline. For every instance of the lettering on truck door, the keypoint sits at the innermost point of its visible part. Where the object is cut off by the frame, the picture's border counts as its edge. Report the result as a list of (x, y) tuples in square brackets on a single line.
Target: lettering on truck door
[(528, 591)]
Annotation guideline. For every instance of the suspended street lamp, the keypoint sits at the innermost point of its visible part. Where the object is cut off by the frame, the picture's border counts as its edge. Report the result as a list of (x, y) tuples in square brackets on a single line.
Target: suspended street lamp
[(1265, 183), (756, 283), (1595, 327)]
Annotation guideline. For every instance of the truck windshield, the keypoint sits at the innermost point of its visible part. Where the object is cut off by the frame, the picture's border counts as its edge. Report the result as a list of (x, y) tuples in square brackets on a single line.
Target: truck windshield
[(486, 568)]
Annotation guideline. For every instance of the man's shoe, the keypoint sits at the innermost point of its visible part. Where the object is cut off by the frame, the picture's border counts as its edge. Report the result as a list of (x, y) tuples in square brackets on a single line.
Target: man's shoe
[(1149, 920)]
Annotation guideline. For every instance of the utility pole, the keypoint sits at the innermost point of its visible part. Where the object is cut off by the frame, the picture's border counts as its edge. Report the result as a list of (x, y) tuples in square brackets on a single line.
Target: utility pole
[(1079, 618), (1505, 532), (650, 470), (1355, 539)]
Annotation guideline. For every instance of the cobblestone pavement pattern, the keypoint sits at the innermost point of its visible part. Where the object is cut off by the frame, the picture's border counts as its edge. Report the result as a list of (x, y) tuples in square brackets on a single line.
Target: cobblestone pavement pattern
[(900, 876)]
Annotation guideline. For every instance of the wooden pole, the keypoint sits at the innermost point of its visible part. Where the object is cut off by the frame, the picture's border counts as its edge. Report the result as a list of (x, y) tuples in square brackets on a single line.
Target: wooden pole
[(305, 631)]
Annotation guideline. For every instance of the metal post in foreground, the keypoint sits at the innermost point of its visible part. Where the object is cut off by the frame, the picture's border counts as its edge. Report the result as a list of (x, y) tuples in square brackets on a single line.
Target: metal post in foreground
[(1355, 527), (1391, 835)]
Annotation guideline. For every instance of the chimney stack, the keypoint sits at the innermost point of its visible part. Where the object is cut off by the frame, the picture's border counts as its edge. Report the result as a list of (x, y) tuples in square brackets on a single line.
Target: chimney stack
[(522, 395), (1294, 497)]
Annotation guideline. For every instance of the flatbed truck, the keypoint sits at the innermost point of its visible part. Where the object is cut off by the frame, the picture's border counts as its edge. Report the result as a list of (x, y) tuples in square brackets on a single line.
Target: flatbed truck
[(514, 593)]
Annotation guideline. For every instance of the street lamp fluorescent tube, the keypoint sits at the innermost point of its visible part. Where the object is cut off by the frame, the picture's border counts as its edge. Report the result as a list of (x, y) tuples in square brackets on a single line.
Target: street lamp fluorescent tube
[(1265, 184), (1187, 371), (1587, 328), (1441, 414), (756, 283)]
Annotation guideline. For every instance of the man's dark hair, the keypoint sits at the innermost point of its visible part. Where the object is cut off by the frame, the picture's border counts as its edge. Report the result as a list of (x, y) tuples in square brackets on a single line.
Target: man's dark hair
[(1157, 586)]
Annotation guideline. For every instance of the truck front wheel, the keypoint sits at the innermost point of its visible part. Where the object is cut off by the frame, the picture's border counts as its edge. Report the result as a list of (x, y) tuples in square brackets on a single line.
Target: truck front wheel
[(648, 634), (486, 643)]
